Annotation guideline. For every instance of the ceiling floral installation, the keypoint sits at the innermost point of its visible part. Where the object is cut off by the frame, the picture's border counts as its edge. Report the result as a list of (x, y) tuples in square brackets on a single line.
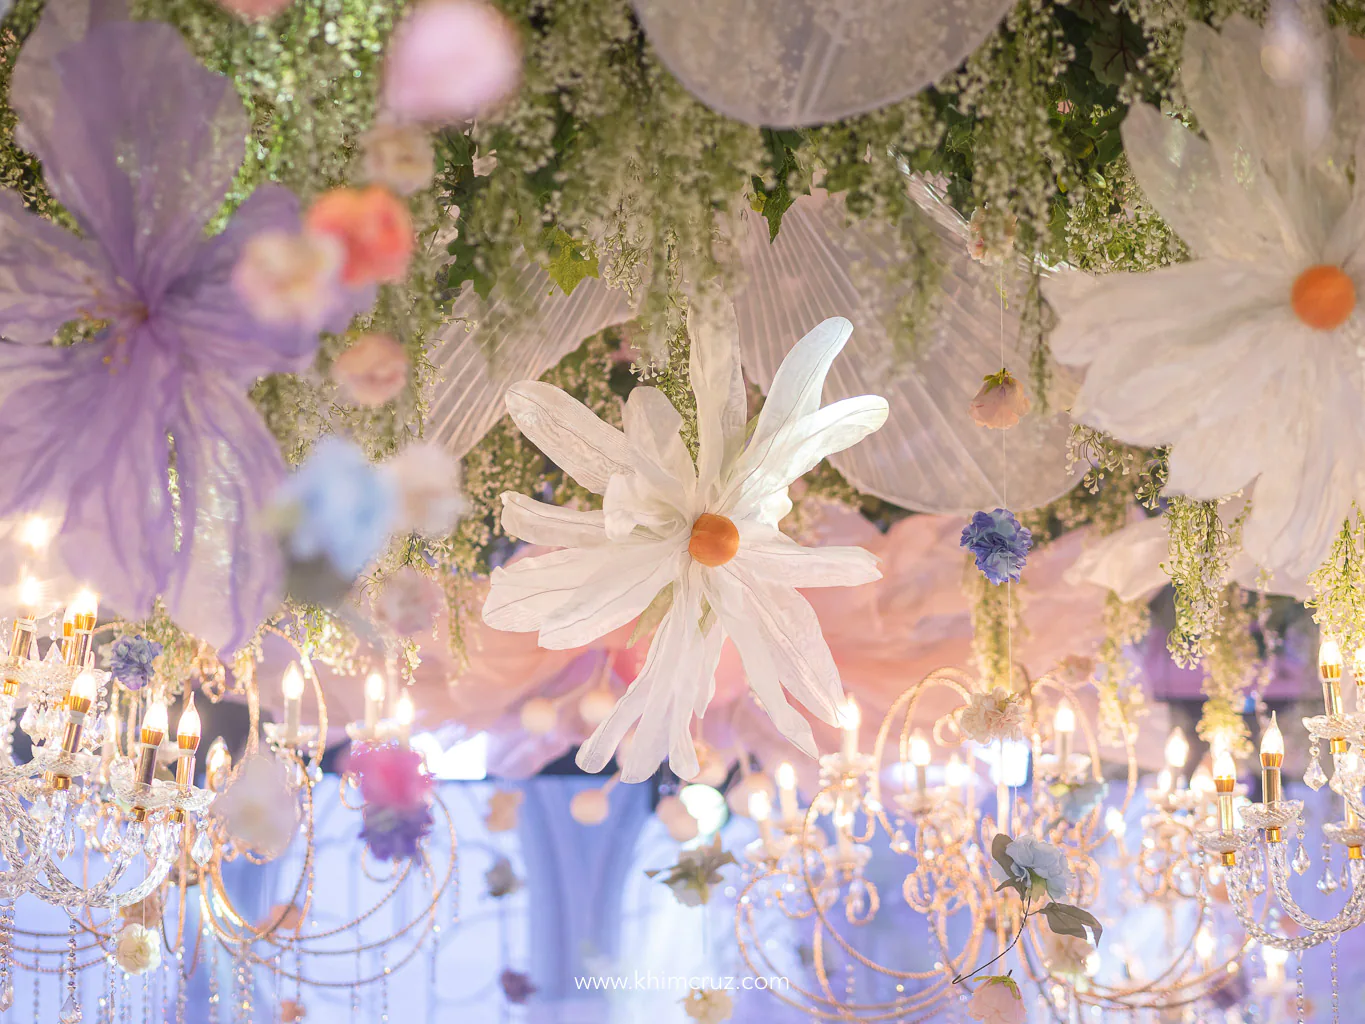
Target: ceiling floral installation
[(677, 384)]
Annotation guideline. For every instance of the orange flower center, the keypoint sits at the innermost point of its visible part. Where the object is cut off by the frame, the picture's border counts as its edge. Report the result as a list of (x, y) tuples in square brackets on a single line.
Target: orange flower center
[(715, 540), (1323, 297)]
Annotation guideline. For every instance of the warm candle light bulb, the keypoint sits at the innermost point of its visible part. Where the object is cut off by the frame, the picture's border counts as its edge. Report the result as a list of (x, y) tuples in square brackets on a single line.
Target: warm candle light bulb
[(30, 593), (1113, 821), (850, 715), (1065, 718), (1329, 659), (955, 772), (1272, 743), (1274, 956), (1224, 768), (1204, 944), (84, 603), (920, 755), (374, 687), (155, 720), (786, 776), (404, 712), (85, 687), (1202, 780), (1177, 749), (36, 532), (760, 805), (219, 759), (190, 728), (292, 683)]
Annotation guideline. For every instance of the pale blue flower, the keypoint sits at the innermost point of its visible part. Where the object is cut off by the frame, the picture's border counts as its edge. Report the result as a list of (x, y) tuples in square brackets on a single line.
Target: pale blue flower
[(338, 505), (999, 543), (1037, 862)]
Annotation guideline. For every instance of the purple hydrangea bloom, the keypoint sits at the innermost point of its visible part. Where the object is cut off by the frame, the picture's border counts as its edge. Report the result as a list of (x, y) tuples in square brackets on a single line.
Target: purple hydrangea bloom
[(130, 660), (140, 143), (999, 543), (339, 506), (516, 986), (395, 833)]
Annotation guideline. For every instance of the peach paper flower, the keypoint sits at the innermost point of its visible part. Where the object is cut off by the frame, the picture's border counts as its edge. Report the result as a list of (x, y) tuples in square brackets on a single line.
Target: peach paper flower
[(374, 370), (375, 228), (992, 716), (1001, 403), (287, 278), (399, 157), (449, 61), (997, 1001), (428, 482), (409, 602)]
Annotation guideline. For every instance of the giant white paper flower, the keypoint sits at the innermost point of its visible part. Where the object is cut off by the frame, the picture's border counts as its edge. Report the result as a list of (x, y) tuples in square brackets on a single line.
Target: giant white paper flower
[(704, 536), (1248, 359)]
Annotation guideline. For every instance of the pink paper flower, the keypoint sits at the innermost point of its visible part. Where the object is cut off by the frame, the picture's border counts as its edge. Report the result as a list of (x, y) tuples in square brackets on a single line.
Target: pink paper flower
[(252, 10), (427, 480), (399, 157), (374, 370), (288, 278), (408, 603), (1001, 402), (375, 228), (450, 60), (997, 1001)]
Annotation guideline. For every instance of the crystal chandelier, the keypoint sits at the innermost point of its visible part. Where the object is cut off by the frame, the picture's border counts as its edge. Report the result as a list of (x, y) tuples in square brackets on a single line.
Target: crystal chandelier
[(811, 867)]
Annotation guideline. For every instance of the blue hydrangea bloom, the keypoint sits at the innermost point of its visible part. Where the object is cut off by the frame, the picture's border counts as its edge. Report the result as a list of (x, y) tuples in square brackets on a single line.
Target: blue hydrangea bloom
[(130, 660), (999, 544), (338, 506)]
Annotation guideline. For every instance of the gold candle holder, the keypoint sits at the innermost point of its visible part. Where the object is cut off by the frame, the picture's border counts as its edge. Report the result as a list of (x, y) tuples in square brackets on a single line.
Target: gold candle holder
[(77, 704), (78, 630), (1272, 761), (187, 740), (1225, 785), (1329, 673), (152, 733)]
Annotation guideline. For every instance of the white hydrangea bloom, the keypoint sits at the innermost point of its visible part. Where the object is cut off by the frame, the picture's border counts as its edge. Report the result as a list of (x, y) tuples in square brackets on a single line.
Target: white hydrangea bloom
[(1247, 360), (708, 532)]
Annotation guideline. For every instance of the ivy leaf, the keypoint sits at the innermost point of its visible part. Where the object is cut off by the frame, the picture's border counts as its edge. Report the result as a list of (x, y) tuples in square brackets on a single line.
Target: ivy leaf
[(1068, 920), (464, 268), (1006, 863), (566, 261), (1114, 50)]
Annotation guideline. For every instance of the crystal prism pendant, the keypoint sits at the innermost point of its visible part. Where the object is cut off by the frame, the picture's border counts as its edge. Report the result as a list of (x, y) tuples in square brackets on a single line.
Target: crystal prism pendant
[(6, 995), (71, 1010), (1301, 861), (1313, 775), (202, 849), (1328, 882)]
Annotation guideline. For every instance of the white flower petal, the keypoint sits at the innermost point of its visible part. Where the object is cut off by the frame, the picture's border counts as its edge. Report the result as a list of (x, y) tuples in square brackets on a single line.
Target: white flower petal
[(554, 526), (631, 501), (774, 557), (568, 433), (626, 578), (717, 382), (523, 594), (772, 464), (784, 623), (657, 451), (800, 380)]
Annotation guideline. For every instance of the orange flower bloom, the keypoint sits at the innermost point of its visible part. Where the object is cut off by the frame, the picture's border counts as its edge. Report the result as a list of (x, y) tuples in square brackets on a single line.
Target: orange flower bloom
[(375, 227)]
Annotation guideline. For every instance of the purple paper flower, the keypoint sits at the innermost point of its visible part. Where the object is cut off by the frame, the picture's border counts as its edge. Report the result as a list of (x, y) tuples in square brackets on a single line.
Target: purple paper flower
[(140, 143), (130, 660), (516, 986), (999, 543), (395, 833)]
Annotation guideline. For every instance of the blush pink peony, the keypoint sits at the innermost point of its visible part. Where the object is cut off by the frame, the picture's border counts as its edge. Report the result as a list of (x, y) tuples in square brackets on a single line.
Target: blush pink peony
[(287, 278), (374, 370), (997, 1001), (1001, 403), (450, 61)]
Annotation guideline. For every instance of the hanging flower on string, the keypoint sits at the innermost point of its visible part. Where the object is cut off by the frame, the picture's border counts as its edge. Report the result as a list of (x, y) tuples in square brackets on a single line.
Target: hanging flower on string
[(708, 1005), (999, 544), (501, 879), (504, 807), (1245, 360), (137, 949), (397, 793), (1001, 403), (997, 715), (131, 660), (695, 873), (698, 541), (145, 148), (997, 1001), (517, 988)]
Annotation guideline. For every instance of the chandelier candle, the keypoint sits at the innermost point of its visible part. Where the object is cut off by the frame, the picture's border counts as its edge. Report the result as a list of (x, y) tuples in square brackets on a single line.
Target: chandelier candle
[(1224, 783), (1272, 759), (1177, 754), (786, 792), (78, 701), (187, 740), (850, 719), (25, 627), (760, 809), (154, 727), (374, 702), (1064, 725), (920, 757), (78, 628), (403, 714), (292, 685), (1329, 672), (217, 766)]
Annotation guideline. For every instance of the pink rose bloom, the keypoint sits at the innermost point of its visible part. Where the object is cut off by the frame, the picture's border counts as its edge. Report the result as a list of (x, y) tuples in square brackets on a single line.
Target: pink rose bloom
[(1000, 403), (409, 602), (374, 370), (997, 1001), (253, 9), (390, 775), (287, 278), (450, 60)]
